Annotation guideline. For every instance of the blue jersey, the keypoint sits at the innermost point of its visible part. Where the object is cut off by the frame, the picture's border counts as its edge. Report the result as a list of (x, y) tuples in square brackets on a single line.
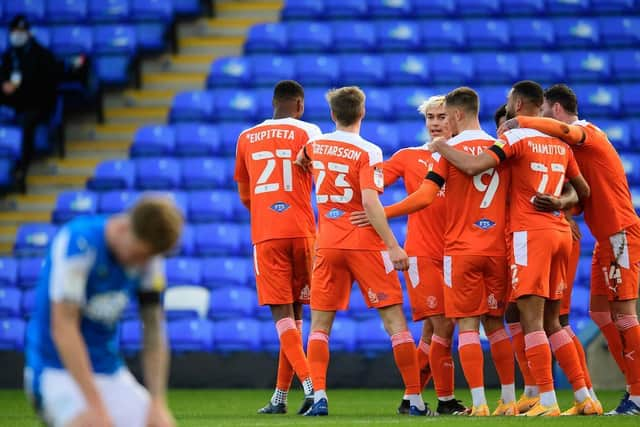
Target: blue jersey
[(80, 269)]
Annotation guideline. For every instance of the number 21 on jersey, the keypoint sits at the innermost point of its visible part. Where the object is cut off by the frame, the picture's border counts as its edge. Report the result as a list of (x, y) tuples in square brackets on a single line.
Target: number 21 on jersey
[(272, 159)]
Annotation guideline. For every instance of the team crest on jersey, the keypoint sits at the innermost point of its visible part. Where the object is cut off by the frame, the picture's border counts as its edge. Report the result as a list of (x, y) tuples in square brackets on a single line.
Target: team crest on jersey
[(279, 207), (334, 213), (432, 302), (107, 307), (492, 302), (305, 293), (373, 298), (484, 223), (378, 177)]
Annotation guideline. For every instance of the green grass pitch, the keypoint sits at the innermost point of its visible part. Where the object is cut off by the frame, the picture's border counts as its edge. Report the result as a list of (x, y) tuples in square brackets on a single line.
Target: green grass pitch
[(200, 408)]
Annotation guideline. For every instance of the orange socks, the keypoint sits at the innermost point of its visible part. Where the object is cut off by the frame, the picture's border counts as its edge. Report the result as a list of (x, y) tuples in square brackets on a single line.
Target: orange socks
[(424, 363), (285, 370), (612, 335), (517, 341), (539, 358), (567, 357), (405, 355), (471, 358), (441, 366), (630, 330), (581, 356), (318, 355), (502, 355)]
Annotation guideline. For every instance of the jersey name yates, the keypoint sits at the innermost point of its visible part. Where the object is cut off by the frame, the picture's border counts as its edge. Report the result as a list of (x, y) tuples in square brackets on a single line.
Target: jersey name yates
[(331, 150), (271, 134)]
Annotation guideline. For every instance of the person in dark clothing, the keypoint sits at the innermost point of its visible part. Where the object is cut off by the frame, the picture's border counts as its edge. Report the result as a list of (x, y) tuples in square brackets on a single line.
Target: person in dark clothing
[(29, 76)]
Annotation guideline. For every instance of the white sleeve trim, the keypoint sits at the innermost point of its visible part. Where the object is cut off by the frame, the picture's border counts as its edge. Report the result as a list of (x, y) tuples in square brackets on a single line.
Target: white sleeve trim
[(154, 277), (69, 275)]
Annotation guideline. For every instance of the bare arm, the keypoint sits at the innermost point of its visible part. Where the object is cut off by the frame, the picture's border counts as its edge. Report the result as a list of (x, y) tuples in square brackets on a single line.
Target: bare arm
[(581, 186), (550, 203), (467, 163), (571, 134)]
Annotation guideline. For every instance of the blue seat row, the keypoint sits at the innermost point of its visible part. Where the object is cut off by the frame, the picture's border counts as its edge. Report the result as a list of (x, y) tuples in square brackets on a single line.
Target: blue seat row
[(400, 69), (383, 9), (363, 36)]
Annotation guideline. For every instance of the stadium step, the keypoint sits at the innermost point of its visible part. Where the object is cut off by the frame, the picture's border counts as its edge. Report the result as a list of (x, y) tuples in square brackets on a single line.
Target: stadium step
[(183, 63), (139, 115), (28, 202), (216, 46), (74, 166), (174, 80), (110, 132), (140, 98), (222, 27), (15, 218), (249, 9)]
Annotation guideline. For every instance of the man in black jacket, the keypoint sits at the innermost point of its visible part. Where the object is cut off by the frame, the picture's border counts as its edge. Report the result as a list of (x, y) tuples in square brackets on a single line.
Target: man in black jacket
[(29, 76)]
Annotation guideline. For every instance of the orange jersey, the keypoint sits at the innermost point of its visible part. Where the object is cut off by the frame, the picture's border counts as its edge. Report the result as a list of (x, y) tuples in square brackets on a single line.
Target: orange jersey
[(344, 164), (475, 205), (425, 228), (280, 191), (539, 164)]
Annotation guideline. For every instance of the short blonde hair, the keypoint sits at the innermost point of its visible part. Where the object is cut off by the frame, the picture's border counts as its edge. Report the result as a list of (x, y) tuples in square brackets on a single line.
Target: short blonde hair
[(433, 102), (156, 221), (347, 104)]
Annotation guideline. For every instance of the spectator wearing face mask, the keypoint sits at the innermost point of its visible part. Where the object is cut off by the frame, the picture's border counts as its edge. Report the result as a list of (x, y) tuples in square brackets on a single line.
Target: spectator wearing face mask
[(29, 76)]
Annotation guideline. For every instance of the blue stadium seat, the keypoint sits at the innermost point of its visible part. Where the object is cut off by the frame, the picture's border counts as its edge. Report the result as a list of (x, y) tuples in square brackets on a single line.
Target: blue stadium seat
[(631, 163), (270, 69), (71, 204), (393, 194), (361, 69), (42, 35), (390, 9), (353, 36), (635, 134), (315, 104), (587, 242), (229, 132), (612, 5), (131, 336), (443, 34), (192, 106), (371, 336), (382, 134), (152, 21), (111, 202), (626, 64), (210, 206), (542, 66), (630, 98), (478, 7), (309, 36), (196, 139), (190, 335), (321, 70), (270, 37), (406, 101), (34, 10), (571, 32), (618, 132), (583, 273), (203, 172), (132, 310), (29, 271), (269, 336), (113, 70), (568, 7), (487, 33), (580, 301), (412, 132), (343, 335), (531, 33), (187, 245), (160, 173), (346, 9), (183, 271), (178, 197), (28, 303), (398, 35), (33, 239), (523, 7), (109, 10), (152, 10), (187, 7), (153, 140), (4, 39), (10, 142), (218, 239), (114, 39), (67, 10), (12, 334), (588, 66), (620, 31), (239, 334), (491, 98), (402, 68), (10, 299), (231, 301), (227, 271), (8, 272), (598, 99), (451, 68), (495, 67), (378, 103), (434, 8), (399, 229), (233, 104), (71, 40), (229, 71), (302, 9), (264, 99)]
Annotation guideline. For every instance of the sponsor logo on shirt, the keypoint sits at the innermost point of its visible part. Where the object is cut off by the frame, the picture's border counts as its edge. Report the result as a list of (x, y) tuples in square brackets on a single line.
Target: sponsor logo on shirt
[(107, 307), (334, 213), (484, 223), (279, 207)]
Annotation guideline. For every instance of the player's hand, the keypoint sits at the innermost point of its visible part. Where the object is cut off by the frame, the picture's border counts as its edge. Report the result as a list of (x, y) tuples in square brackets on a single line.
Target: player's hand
[(575, 229), (159, 415), (436, 143), (508, 125), (359, 219), (399, 258), (95, 416), (303, 161), (547, 203)]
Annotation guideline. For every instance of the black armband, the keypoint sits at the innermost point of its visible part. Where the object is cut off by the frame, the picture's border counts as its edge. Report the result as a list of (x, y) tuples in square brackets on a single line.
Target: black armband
[(147, 298), (498, 152), (432, 176)]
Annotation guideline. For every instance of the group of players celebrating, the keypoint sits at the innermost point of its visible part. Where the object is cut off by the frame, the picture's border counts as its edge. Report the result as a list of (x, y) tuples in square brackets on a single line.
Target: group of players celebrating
[(491, 239)]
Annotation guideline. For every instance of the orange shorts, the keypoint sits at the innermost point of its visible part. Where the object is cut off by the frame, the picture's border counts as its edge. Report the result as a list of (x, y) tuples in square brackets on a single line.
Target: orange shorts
[(539, 263), (425, 285), (572, 268), (335, 270), (474, 285), (616, 265), (283, 270)]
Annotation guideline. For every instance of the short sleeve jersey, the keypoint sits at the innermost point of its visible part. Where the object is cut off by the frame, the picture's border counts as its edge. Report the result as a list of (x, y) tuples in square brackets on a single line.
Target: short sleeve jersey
[(425, 228), (80, 269), (280, 191), (475, 205), (344, 164), (609, 209), (539, 164)]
